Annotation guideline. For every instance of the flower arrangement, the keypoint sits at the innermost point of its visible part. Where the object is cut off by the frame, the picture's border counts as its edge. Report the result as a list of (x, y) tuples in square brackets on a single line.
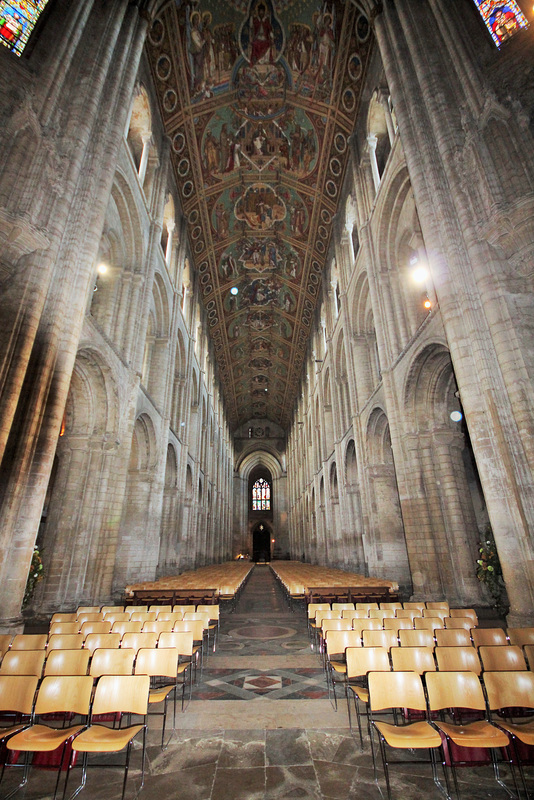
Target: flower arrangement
[(35, 575), (489, 572)]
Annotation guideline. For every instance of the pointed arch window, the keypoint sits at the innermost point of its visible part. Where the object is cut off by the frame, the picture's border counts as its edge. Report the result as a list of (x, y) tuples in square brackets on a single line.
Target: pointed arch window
[(17, 21), (502, 19), (261, 495)]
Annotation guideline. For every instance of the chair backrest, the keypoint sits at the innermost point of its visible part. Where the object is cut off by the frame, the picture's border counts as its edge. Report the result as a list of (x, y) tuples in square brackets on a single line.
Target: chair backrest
[(113, 610), (116, 661), (338, 641), (455, 637), (143, 616), (454, 690), (23, 662), (435, 613), (5, 641), (407, 613), (509, 689), (488, 636), (427, 623), (60, 616), (463, 613), (361, 660), (417, 659), (412, 638), (126, 627), (161, 661), (417, 607), (94, 641), (346, 613), (453, 623), (170, 616), (157, 609), (29, 641), (136, 641), (396, 690), (393, 606), (496, 658), (528, 650), (59, 641), (520, 636), (158, 626), (458, 659), (205, 618), (196, 626), (442, 605), (126, 693), (181, 640), (67, 628), (213, 611), (319, 616), (67, 662), (87, 610), (183, 609), (90, 627), (136, 609), (335, 625), (367, 624), (17, 693), (89, 616), (116, 616), (365, 606), (379, 613), (342, 606), (394, 624), (380, 639), (64, 693)]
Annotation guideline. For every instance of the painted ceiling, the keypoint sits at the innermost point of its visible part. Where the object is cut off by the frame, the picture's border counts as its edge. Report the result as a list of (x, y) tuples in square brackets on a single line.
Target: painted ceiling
[(259, 99)]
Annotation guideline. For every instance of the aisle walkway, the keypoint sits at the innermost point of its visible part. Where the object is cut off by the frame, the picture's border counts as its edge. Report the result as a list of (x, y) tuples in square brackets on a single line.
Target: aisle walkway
[(260, 725)]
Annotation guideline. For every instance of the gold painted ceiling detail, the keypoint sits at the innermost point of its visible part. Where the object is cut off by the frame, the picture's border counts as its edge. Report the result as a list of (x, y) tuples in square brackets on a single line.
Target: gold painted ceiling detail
[(259, 100)]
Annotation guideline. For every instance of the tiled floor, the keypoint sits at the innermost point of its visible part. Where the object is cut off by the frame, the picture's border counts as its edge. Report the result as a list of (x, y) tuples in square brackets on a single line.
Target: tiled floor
[(285, 742)]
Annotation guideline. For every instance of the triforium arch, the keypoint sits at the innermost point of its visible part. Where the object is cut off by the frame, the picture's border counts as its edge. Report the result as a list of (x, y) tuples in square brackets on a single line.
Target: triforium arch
[(449, 510), (267, 464)]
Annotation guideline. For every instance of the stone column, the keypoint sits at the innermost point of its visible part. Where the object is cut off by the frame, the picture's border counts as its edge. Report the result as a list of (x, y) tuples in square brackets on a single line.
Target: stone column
[(372, 142)]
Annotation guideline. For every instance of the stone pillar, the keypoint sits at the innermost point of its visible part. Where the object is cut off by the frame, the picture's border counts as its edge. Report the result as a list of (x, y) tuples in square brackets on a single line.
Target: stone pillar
[(372, 142), (147, 137)]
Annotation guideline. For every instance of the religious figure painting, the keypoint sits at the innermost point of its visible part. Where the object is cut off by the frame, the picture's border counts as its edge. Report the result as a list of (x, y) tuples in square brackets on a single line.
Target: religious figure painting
[(261, 37), (211, 52), (260, 207)]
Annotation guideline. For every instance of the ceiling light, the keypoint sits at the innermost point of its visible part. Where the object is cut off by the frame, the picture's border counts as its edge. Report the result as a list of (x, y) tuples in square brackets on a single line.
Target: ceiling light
[(428, 304), (234, 290), (456, 416), (420, 274), (102, 268)]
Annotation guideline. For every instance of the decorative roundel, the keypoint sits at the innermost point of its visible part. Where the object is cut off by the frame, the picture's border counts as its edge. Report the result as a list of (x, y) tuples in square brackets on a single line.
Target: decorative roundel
[(163, 67), (211, 305), (316, 267), (320, 246), (326, 216), (331, 188), (204, 279), (348, 100), (308, 305), (203, 267), (362, 28), (340, 142), (215, 320), (199, 246), (178, 144), (212, 313), (336, 168), (170, 100), (323, 233), (195, 233), (156, 32), (312, 289), (354, 67), (187, 189), (183, 167), (314, 278), (193, 216)]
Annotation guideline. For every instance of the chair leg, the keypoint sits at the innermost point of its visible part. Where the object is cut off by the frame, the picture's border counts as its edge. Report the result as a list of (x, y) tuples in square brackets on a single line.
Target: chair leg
[(384, 763), (25, 774)]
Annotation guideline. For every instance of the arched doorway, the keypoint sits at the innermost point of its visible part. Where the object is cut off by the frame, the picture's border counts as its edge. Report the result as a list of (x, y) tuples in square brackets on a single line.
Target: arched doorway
[(261, 542)]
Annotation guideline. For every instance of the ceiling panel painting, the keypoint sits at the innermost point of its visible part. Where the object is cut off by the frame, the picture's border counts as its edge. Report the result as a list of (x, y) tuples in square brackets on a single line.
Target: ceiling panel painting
[(259, 99)]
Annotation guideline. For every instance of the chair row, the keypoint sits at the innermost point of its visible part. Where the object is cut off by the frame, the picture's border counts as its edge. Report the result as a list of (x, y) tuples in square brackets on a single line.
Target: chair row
[(369, 612), (456, 717), (125, 613), (441, 605), (83, 728)]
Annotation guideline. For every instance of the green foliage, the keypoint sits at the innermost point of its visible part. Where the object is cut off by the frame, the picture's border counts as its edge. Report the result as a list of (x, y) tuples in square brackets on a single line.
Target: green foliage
[(35, 575), (489, 572)]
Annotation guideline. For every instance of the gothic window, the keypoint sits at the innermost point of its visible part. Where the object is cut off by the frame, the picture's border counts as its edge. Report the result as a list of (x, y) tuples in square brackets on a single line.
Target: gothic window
[(503, 19), (261, 495), (17, 21)]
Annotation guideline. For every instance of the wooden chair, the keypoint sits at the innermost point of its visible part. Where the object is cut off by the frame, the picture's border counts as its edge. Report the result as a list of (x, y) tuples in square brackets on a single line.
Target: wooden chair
[(136, 610), (360, 661), (161, 664), (528, 650), (67, 662), (90, 627), (427, 623), (157, 608), (23, 662), (407, 613), (501, 659), (382, 638), (116, 616), (455, 637), (509, 695), (143, 616), (183, 609), (136, 641), (29, 641), (115, 694), (17, 694), (336, 642), (413, 659), (458, 659), (87, 610), (182, 641), (68, 628), (520, 636), (413, 638), (158, 626), (115, 661), (441, 605), (456, 693), (394, 624), (89, 616), (72, 641), (347, 613), (57, 694), (366, 606), (61, 616), (126, 627), (488, 636), (342, 606), (381, 614), (452, 623), (391, 606), (463, 613), (113, 610), (417, 607), (393, 690), (94, 641), (367, 624)]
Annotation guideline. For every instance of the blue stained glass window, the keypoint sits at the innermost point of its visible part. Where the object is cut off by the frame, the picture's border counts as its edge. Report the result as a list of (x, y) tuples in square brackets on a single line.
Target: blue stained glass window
[(503, 19), (261, 495), (17, 20)]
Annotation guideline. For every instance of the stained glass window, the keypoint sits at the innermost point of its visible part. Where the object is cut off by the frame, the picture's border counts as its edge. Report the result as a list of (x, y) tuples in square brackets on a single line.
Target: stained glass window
[(17, 20), (261, 495), (502, 19)]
